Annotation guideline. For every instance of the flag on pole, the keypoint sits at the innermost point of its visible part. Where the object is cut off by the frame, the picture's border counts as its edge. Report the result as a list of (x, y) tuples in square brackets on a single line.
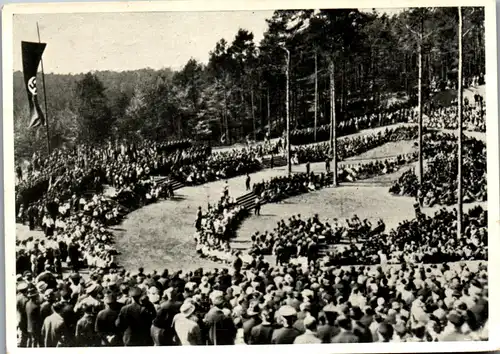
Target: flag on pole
[(32, 54)]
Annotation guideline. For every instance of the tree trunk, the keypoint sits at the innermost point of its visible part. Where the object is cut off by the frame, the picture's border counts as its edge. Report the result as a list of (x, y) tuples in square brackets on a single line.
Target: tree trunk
[(315, 94), (459, 93), (420, 140), (333, 124), (288, 157), (253, 115), (228, 138), (268, 113)]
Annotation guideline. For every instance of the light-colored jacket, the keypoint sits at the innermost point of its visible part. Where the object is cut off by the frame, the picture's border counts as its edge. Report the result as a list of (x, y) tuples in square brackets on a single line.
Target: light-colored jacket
[(188, 332), (307, 338)]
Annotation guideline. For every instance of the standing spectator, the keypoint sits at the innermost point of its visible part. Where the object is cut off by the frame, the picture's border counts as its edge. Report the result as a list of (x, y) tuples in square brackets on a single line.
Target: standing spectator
[(221, 328), (185, 325), (135, 321), (161, 329), (34, 326), (257, 205), (55, 331), (252, 321), (85, 335), (105, 325), (22, 326), (263, 332), (345, 335), (309, 337), (247, 182), (286, 334)]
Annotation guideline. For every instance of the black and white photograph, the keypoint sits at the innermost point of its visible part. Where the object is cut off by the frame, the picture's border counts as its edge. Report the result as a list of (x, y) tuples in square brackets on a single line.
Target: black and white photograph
[(192, 176)]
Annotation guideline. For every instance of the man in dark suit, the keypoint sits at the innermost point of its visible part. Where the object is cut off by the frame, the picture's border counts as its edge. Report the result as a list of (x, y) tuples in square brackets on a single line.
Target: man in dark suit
[(135, 321), (21, 301), (345, 335), (263, 332), (251, 322), (286, 334), (34, 326), (105, 324), (161, 329), (328, 330), (221, 328)]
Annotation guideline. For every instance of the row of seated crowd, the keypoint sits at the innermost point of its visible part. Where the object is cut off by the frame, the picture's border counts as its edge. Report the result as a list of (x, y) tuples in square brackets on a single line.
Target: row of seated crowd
[(473, 119), (439, 181), (304, 298), (435, 117), (353, 125)]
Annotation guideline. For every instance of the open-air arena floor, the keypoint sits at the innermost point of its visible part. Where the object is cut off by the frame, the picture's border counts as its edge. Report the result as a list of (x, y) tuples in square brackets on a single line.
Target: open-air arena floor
[(161, 235)]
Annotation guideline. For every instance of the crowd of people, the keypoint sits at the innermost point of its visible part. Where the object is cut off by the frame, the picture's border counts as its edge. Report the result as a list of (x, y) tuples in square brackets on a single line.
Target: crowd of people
[(257, 303), (353, 125), (473, 119), (439, 181), (352, 146), (421, 240), (304, 298)]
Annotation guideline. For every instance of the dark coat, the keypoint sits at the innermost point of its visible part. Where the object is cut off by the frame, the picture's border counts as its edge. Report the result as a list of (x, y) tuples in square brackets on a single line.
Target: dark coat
[(285, 335), (261, 334), (135, 322), (34, 324), (221, 329)]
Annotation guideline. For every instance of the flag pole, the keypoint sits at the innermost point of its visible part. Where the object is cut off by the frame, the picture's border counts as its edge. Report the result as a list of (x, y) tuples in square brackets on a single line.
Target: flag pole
[(44, 95)]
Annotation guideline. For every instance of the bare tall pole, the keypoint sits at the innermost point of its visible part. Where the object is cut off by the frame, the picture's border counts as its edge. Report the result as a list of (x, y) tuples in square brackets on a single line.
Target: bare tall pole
[(460, 157), (268, 114), (420, 118), (253, 116), (44, 95), (315, 94), (333, 124), (288, 157)]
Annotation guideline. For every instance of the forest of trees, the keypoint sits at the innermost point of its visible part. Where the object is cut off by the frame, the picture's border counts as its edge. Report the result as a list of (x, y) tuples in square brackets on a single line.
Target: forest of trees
[(240, 92)]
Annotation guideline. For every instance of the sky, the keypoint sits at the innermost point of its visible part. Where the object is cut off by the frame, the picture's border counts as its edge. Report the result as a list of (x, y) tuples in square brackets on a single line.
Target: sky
[(85, 42)]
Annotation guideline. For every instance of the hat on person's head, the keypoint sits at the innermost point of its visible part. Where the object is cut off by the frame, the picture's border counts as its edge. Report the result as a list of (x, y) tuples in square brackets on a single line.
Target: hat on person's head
[(253, 310), (75, 276), (27, 274), (154, 294), (287, 311), (167, 293), (305, 306), (41, 286), (32, 292), (344, 322), (22, 286), (385, 329), (455, 318), (329, 308), (135, 292), (217, 297), (309, 321), (48, 293), (187, 309)]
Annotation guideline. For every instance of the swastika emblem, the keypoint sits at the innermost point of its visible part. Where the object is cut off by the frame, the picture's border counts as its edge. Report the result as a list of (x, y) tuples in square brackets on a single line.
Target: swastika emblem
[(32, 85)]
